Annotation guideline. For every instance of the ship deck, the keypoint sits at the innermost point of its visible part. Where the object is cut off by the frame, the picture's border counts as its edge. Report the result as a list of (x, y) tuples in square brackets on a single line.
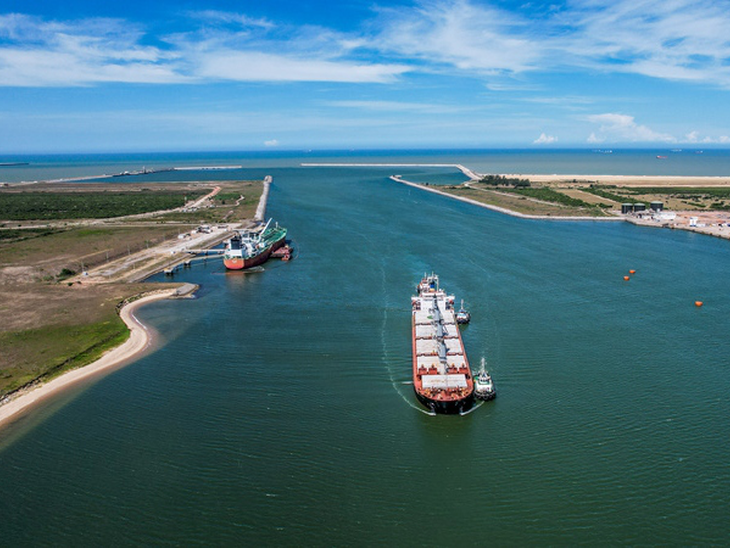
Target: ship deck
[(440, 365)]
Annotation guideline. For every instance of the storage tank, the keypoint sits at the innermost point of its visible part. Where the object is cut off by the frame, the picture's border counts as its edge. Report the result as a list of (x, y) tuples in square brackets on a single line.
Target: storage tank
[(656, 206), (639, 207), (627, 208)]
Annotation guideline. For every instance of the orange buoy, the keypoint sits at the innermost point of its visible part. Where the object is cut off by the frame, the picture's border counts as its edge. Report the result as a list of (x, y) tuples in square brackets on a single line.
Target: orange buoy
[(632, 271), (626, 278), (699, 303)]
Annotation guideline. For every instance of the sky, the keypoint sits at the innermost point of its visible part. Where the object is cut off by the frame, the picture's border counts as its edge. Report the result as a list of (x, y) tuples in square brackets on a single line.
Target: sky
[(87, 76)]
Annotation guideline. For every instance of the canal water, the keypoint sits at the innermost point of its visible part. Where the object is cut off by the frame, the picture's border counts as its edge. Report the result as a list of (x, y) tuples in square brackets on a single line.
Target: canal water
[(278, 411)]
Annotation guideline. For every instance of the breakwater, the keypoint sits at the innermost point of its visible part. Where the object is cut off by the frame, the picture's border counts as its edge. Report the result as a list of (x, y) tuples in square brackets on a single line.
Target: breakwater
[(506, 211), (264, 200), (280, 400)]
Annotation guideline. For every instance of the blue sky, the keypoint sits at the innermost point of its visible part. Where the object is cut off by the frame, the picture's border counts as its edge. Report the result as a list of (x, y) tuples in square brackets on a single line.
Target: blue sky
[(83, 76)]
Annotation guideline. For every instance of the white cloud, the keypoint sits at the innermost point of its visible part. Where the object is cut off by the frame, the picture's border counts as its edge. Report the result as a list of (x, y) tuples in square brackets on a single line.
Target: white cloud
[(676, 40), (257, 66), (460, 33), (227, 17), (545, 139), (622, 127), (36, 52), (667, 39), (271, 143), (42, 53), (397, 106), (694, 137)]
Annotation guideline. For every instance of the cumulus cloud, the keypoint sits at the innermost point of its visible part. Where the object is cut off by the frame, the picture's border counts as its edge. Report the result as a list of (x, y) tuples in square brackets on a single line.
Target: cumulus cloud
[(675, 40), (271, 143), (622, 127), (593, 138), (47, 53), (545, 139), (38, 52), (463, 34), (695, 137)]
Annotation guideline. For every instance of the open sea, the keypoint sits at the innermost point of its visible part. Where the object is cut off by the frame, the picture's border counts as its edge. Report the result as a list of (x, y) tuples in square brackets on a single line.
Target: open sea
[(278, 411)]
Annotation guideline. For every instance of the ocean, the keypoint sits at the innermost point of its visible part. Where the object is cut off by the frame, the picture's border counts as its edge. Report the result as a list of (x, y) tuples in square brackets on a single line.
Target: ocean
[(278, 409)]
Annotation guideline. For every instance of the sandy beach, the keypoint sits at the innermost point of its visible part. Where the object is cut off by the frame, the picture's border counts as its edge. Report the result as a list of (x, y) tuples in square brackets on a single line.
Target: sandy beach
[(628, 180), (140, 340)]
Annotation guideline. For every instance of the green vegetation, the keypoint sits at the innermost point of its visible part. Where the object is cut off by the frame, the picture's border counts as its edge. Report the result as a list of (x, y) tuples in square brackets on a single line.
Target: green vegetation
[(224, 198), (550, 195), (550, 203), (65, 274), (500, 180), (42, 354), (684, 193), (53, 322), (599, 190), (17, 234), (24, 206)]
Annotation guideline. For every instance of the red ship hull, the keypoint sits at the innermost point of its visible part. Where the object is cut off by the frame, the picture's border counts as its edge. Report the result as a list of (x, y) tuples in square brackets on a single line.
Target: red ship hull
[(238, 263), (444, 404), (442, 379)]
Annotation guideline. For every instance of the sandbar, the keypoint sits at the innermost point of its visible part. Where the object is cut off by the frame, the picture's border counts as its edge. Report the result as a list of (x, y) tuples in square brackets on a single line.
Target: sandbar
[(140, 339)]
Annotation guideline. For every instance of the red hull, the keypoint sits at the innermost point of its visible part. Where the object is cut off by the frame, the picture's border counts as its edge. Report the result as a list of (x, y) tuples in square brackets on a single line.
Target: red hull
[(444, 402), (236, 263)]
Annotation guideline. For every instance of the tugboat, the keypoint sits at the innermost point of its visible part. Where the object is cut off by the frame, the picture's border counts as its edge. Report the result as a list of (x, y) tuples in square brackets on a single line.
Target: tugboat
[(483, 385), (463, 316)]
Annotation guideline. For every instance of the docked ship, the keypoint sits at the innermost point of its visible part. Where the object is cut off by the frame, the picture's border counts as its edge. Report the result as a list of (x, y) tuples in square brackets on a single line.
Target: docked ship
[(252, 248), (442, 379)]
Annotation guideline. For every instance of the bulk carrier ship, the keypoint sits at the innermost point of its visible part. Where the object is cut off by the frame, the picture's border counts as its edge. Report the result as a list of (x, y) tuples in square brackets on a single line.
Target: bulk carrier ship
[(442, 378), (252, 248)]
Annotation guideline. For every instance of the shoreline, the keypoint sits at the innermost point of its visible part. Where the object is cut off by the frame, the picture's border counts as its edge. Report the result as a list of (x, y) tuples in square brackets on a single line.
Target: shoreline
[(716, 231), (504, 210), (140, 340)]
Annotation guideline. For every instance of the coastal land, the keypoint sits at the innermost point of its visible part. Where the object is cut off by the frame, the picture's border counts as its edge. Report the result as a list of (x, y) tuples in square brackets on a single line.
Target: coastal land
[(140, 339), (74, 258), (70, 268), (695, 203)]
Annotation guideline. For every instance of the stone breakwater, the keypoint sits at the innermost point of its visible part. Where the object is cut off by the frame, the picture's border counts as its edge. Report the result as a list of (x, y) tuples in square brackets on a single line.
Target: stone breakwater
[(261, 209), (502, 209)]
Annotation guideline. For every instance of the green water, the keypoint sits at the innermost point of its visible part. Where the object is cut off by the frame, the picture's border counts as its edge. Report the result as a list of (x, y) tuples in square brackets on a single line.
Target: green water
[(278, 412)]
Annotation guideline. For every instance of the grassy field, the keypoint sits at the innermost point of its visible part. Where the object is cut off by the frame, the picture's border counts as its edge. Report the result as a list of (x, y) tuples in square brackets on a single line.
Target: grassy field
[(53, 321), (578, 197), (55, 328), (79, 248), (528, 201), (43, 206)]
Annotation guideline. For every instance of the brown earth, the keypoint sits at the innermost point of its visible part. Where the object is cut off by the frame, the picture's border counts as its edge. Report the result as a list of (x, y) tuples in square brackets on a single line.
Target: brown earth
[(59, 292)]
